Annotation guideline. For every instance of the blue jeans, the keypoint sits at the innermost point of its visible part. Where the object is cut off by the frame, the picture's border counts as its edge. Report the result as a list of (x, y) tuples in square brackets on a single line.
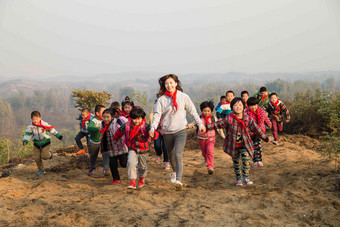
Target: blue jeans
[(160, 148), (78, 138)]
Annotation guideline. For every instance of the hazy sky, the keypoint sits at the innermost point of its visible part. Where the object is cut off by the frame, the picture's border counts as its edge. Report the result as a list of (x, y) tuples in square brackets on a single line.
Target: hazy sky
[(51, 38)]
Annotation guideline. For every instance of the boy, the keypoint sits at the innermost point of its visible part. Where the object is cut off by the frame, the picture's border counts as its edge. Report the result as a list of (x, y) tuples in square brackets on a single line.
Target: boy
[(127, 106), (245, 96), (37, 130), (85, 118), (224, 110), (94, 142), (262, 96), (137, 139), (276, 109)]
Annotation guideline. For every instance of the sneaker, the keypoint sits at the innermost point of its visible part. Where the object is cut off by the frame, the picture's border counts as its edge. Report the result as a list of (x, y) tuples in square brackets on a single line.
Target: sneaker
[(141, 182), (51, 154), (106, 172), (260, 163), (81, 151), (91, 172), (255, 164), (276, 142), (239, 183), (158, 159), (41, 172), (166, 165), (210, 171), (178, 185), (115, 181), (132, 184), (247, 181), (173, 177)]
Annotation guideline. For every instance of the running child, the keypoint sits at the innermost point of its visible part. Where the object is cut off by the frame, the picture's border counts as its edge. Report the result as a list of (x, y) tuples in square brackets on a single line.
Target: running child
[(38, 131), (127, 106), (116, 105), (245, 96), (263, 96), (224, 110), (85, 117)]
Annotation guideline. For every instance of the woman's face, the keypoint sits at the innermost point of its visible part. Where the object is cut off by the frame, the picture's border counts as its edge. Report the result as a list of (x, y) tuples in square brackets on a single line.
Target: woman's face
[(170, 85)]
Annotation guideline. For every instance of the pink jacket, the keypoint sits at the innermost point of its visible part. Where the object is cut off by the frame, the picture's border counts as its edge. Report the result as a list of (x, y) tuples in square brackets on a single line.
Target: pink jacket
[(263, 121), (208, 133)]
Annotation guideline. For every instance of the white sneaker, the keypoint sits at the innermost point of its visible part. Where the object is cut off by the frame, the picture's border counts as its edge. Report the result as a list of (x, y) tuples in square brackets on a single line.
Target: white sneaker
[(178, 185), (173, 177)]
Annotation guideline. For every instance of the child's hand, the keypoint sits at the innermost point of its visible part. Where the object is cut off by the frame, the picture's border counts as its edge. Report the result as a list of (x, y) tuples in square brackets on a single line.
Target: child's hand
[(202, 128), (187, 126), (24, 143), (152, 133), (96, 125), (270, 138), (287, 121), (60, 137)]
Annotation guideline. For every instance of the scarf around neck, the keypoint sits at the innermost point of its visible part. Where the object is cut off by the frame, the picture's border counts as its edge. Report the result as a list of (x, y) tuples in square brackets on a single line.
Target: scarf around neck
[(238, 120), (100, 118), (43, 126), (277, 106), (84, 121), (174, 97), (257, 114)]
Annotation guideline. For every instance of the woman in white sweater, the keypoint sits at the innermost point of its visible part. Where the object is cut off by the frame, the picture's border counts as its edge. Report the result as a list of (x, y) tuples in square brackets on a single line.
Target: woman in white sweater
[(171, 108)]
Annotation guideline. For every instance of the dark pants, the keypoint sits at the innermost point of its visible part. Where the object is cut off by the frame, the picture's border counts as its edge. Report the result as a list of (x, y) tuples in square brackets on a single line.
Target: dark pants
[(160, 148), (78, 138), (114, 165)]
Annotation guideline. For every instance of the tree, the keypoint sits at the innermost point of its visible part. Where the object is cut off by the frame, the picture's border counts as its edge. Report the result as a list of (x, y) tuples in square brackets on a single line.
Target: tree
[(90, 98), (140, 98)]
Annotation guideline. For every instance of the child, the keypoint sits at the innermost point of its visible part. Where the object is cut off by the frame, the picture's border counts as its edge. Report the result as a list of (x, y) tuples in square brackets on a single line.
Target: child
[(95, 135), (171, 108), (85, 118), (137, 140), (206, 140), (116, 149), (37, 130), (261, 119), (245, 96), (276, 109), (116, 105), (127, 106), (225, 109), (262, 96), (238, 142), (223, 101)]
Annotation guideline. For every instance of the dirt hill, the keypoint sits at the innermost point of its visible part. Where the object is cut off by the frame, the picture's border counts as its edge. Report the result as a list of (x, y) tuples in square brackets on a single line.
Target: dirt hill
[(296, 187)]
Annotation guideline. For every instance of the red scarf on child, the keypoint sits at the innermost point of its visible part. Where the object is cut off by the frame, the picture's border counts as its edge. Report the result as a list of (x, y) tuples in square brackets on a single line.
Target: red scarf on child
[(83, 121), (43, 126), (174, 102), (257, 114), (224, 103), (263, 97), (206, 118), (100, 118), (277, 106), (135, 129), (106, 127), (238, 120), (124, 114)]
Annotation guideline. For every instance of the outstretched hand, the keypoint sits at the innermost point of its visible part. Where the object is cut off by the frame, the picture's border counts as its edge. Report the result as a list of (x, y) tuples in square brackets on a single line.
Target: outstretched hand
[(152, 133), (24, 143), (202, 128)]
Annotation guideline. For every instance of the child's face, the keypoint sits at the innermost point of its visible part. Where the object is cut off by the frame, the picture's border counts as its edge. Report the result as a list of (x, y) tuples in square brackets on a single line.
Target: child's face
[(100, 113), (36, 120), (84, 114), (170, 85), (263, 93), (230, 96), (253, 107), (107, 118), (223, 100), (206, 112), (238, 107), (127, 108), (245, 97), (273, 98), (137, 121)]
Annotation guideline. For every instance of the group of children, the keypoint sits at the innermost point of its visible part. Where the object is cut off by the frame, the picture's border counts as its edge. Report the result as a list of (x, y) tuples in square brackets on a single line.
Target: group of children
[(122, 135)]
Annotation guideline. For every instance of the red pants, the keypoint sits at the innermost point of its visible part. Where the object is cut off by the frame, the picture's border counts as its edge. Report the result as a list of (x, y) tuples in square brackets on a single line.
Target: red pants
[(207, 147), (277, 126)]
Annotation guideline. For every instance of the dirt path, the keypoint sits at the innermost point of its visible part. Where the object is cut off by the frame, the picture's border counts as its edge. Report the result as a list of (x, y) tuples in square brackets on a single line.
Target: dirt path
[(295, 187)]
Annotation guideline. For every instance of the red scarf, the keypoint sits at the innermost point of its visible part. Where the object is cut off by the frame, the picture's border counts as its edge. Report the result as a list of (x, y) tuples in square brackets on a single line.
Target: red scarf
[(104, 130), (174, 102), (224, 103), (238, 120), (206, 118), (257, 114), (100, 118), (43, 126), (135, 129), (263, 97), (124, 114), (277, 106), (83, 121)]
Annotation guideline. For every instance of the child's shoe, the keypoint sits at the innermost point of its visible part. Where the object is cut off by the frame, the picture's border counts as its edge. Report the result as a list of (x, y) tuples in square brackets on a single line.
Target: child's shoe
[(260, 164), (81, 151), (166, 165), (239, 183), (51, 154), (106, 172), (173, 177), (141, 182), (178, 185), (115, 181), (276, 142), (210, 171), (91, 172), (132, 184), (158, 159), (255, 164), (41, 172), (247, 181)]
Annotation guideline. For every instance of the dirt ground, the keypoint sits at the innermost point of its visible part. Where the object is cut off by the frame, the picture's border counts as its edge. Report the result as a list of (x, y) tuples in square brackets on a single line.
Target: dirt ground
[(296, 187)]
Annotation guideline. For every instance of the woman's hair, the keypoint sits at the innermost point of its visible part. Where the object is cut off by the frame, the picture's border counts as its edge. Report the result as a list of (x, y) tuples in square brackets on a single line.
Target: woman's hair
[(252, 101), (137, 112), (162, 80), (235, 100), (209, 104)]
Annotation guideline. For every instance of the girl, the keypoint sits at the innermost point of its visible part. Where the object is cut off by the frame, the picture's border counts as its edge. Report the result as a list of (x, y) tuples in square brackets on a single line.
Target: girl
[(206, 140), (239, 143), (261, 119), (171, 108), (116, 149), (127, 106)]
